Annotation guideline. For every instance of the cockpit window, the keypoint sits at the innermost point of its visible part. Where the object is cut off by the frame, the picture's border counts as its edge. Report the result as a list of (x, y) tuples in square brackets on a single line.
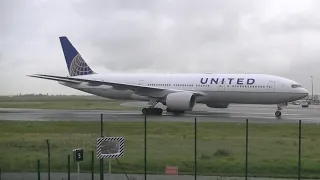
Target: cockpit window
[(295, 85)]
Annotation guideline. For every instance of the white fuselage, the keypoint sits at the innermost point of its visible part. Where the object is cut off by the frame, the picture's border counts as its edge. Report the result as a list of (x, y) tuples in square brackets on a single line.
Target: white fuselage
[(220, 89)]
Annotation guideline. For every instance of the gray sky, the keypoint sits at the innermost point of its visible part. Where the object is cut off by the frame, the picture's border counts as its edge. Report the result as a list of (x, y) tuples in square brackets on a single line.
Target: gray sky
[(220, 36)]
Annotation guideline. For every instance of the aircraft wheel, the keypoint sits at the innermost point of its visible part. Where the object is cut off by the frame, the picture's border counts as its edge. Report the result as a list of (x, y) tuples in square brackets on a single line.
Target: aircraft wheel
[(174, 111), (152, 111), (144, 111), (278, 113), (159, 111)]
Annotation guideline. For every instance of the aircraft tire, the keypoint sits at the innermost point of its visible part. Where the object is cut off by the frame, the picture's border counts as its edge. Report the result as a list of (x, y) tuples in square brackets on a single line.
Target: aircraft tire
[(177, 112), (174, 112), (152, 111), (277, 113)]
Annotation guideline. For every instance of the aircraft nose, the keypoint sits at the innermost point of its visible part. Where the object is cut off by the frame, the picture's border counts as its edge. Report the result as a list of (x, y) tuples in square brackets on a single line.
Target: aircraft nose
[(304, 92)]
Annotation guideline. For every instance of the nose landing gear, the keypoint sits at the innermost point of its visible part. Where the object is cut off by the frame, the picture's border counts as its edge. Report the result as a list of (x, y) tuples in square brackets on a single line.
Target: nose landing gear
[(279, 108)]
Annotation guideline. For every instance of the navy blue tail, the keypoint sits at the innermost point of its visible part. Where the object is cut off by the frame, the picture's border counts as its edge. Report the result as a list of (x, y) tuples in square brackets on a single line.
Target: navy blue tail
[(76, 65)]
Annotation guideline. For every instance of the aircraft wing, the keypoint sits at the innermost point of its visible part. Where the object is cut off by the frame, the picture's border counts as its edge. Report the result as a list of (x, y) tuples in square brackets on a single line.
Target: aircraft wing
[(142, 90)]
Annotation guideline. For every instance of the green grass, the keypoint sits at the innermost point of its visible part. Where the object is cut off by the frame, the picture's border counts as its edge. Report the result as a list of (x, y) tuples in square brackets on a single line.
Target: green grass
[(62, 102), (77, 105), (273, 148), (48, 98)]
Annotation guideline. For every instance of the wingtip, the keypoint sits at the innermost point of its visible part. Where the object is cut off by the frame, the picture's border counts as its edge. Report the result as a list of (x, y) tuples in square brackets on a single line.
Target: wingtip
[(34, 75), (31, 75)]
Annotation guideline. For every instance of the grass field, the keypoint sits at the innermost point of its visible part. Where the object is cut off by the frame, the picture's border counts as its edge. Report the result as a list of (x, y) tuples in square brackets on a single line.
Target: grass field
[(273, 148), (62, 102)]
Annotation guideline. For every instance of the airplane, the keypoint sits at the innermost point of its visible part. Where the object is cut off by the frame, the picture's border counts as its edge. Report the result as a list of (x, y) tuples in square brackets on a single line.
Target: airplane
[(179, 92)]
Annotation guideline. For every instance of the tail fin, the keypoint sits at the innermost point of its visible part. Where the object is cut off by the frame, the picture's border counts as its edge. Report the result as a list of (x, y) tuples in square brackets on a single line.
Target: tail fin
[(76, 65)]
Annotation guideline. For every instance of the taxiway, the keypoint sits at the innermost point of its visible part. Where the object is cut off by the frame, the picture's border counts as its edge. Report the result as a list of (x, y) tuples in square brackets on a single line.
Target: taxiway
[(235, 113)]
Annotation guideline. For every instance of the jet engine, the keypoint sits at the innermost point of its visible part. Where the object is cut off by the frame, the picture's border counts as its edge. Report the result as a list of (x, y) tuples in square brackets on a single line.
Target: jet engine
[(181, 101), (217, 105)]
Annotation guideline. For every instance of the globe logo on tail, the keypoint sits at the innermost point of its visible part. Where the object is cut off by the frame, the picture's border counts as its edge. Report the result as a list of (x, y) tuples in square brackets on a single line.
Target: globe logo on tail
[(79, 67)]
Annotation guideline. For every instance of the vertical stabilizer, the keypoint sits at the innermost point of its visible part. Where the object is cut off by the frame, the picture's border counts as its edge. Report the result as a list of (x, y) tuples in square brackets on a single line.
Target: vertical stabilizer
[(75, 63)]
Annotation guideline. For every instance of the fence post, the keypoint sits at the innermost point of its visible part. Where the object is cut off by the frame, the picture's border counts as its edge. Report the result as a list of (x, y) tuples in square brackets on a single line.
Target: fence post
[(145, 147), (48, 145), (69, 166), (247, 133), (101, 160), (92, 165), (195, 148), (38, 169), (299, 153)]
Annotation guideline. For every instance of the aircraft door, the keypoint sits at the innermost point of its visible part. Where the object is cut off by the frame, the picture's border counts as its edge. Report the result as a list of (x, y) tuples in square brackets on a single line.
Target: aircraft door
[(221, 90), (221, 87), (279, 86), (141, 82), (271, 86)]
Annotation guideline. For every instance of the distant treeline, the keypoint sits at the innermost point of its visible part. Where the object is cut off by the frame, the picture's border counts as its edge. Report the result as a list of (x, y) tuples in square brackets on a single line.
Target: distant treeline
[(43, 97), (25, 95)]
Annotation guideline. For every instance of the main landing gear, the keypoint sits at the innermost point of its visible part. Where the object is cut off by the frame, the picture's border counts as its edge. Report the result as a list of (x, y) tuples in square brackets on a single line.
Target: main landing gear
[(151, 110), (158, 111), (279, 108), (174, 111)]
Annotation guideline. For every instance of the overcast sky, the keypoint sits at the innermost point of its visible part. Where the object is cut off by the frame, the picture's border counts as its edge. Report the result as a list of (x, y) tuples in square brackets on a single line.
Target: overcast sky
[(280, 37)]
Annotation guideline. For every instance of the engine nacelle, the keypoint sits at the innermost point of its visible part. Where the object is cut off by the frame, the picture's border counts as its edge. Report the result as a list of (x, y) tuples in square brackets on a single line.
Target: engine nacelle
[(217, 105), (181, 101)]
